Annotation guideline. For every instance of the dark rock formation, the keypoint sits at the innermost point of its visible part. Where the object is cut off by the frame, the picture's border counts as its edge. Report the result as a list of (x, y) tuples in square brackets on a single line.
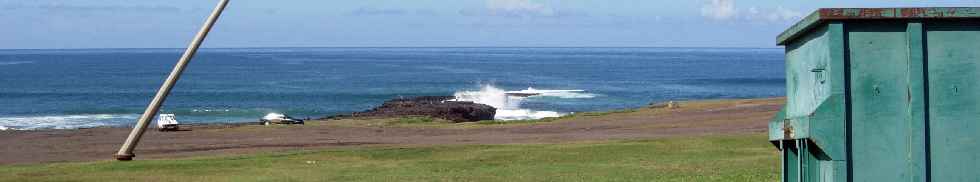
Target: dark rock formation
[(431, 106)]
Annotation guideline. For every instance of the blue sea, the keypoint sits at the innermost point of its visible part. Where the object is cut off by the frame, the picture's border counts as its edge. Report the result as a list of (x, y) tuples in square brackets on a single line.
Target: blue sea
[(65, 89)]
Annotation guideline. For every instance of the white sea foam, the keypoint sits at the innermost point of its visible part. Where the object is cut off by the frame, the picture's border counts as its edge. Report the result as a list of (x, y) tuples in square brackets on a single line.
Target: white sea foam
[(509, 107), (211, 110), (62, 121), (564, 94), (522, 114), (490, 95), (15, 63)]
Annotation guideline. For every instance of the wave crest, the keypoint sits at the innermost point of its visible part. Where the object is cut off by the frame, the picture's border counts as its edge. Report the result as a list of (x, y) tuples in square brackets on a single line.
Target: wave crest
[(508, 103), (15, 63), (564, 94), (63, 121)]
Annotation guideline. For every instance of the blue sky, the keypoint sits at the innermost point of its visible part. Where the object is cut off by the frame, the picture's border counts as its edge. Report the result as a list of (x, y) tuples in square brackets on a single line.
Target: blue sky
[(48, 24)]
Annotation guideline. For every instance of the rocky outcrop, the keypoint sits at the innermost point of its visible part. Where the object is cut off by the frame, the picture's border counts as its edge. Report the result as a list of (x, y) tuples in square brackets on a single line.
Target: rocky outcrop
[(431, 106)]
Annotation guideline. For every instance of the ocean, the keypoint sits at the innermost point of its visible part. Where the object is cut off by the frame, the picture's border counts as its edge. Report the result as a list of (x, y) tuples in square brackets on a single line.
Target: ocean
[(82, 88)]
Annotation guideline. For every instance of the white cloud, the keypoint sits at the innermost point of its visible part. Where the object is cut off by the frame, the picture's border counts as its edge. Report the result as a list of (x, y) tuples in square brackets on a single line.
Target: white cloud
[(719, 9), (377, 12), (63, 7), (783, 14), (369, 11), (726, 10), (753, 11), (516, 5), (779, 14), (519, 8)]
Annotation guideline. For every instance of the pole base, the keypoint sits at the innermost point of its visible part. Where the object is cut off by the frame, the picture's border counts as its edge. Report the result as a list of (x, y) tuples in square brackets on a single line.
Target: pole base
[(124, 157)]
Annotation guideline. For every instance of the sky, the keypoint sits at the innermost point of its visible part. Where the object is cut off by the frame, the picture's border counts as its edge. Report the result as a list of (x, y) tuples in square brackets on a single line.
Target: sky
[(72, 24)]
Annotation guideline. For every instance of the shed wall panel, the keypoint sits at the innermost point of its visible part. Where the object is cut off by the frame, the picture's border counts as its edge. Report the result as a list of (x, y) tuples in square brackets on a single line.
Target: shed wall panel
[(879, 89), (954, 100)]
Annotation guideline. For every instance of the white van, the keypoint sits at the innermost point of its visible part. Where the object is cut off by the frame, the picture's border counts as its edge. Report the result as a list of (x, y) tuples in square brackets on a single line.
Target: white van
[(167, 122)]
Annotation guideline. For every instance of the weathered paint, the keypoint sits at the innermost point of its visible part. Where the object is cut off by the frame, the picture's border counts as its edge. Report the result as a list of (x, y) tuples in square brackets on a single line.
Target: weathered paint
[(826, 14), (954, 100), (879, 68), (776, 124), (896, 13), (916, 97), (884, 94), (807, 72), (791, 167)]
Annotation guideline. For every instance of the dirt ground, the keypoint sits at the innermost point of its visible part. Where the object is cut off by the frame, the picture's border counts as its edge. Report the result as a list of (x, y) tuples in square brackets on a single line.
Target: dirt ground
[(690, 119)]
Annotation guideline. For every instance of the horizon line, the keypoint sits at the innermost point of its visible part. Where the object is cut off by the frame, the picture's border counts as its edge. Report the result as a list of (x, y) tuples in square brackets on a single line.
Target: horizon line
[(108, 48)]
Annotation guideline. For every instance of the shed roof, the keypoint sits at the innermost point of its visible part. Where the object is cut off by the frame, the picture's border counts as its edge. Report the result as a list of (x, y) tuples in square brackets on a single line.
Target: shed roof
[(828, 14)]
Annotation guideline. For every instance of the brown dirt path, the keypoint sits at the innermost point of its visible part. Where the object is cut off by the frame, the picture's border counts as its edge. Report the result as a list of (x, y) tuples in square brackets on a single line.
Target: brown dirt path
[(691, 119)]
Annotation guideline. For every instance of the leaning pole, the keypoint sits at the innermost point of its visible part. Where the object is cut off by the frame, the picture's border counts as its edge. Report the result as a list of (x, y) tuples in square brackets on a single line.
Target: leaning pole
[(126, 151)]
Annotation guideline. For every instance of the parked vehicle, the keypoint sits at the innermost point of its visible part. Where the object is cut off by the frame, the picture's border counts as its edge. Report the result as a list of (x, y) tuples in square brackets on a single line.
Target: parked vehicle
[(167, 122), (277, 118)]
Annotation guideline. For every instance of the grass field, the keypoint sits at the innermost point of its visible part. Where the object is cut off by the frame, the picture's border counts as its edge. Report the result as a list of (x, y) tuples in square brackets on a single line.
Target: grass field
[(709, 158), (425, 121)]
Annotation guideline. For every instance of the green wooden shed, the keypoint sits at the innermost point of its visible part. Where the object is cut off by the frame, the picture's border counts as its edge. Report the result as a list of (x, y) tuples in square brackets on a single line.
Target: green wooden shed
[(881, 94)]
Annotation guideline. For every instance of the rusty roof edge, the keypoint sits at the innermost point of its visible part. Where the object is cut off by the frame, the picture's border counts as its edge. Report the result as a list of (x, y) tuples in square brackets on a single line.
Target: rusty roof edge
[(824, 14)]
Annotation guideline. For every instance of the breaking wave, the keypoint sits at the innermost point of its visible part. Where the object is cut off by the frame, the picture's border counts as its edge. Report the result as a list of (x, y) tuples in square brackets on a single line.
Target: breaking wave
[(564, 94), (63, 121), (508, 103)]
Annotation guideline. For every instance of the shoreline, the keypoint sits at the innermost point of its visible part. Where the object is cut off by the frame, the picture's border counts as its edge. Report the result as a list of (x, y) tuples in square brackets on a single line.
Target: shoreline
[(692, 118), (334, 117)]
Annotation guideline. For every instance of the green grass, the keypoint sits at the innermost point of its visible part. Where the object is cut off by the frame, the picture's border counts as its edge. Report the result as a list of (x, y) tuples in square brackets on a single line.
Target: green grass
[(430, 122), (594, 114), (712, 158), (526, 121), (413, 120)]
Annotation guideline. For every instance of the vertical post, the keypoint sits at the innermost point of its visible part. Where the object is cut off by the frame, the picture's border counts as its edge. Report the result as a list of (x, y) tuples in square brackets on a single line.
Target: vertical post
[(918, 120), (799, 160), (126, 151), (782, 161)]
